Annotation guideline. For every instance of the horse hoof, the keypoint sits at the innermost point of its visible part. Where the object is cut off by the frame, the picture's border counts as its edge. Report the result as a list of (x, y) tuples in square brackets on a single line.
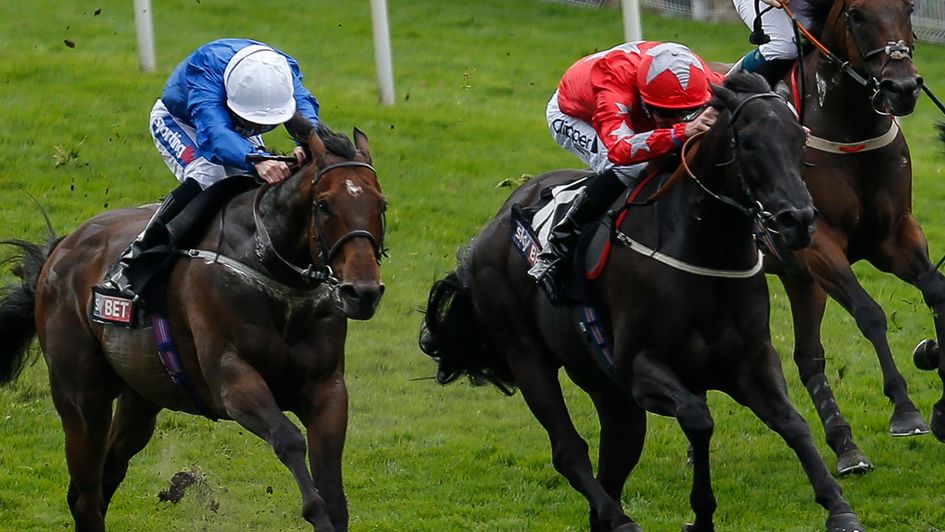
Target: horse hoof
[(689, 527), (925, 355), (938, 422), (908, 423), (628, 527), (853, 462), (845, 522)]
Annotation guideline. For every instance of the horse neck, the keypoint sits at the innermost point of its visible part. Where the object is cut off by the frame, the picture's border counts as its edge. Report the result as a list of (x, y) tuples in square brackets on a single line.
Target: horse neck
[(836, 106), (285, 210), (702, 224)]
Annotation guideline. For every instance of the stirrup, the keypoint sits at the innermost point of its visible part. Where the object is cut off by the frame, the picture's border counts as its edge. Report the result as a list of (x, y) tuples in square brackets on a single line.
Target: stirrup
[(541, 269)]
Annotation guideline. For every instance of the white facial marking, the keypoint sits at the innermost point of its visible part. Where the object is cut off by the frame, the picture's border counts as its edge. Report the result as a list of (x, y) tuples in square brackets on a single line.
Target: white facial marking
[(353, 189)]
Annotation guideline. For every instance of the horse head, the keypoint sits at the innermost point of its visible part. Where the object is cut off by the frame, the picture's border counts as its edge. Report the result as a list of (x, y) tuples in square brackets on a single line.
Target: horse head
[(337, 201), (347, 220), (761, 138), (876, 37)]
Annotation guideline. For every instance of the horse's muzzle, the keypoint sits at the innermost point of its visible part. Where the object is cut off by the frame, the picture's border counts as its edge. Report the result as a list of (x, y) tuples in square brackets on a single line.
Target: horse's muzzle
[(359, 300), (796, 226), (901, 95)]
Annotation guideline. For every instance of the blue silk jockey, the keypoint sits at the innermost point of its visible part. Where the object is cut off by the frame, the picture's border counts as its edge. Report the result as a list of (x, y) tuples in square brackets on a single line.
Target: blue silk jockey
[(773, 59), (214, 109)]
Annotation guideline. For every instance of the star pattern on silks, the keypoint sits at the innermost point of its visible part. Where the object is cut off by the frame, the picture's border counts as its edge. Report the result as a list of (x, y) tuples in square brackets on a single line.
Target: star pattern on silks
[(675, 58), (622, 132), (629, 47), (639, 142), (622, 109)]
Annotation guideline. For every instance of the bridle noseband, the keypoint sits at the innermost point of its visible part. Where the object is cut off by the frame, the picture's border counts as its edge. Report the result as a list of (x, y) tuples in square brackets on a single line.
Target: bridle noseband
[(894, 50), (312, 273)]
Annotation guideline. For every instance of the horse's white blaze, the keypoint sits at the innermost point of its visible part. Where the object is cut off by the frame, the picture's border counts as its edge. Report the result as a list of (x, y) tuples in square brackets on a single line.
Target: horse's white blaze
[(353, 189)]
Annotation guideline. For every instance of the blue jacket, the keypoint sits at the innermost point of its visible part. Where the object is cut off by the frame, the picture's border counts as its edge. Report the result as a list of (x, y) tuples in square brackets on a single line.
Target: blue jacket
[(196, 96)]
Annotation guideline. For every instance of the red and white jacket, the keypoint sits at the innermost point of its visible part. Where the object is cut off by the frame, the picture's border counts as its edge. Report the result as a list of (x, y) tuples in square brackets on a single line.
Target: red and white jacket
[(602, 90)]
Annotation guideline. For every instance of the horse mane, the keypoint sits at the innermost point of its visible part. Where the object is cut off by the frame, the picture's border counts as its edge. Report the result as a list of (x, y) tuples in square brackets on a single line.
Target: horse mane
[(337, 143), (747, 82)]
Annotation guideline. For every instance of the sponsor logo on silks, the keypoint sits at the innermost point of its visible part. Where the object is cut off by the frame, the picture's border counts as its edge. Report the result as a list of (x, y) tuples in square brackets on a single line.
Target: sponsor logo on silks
[(111, 308), (172, 138), (569, 131), (524, 242)]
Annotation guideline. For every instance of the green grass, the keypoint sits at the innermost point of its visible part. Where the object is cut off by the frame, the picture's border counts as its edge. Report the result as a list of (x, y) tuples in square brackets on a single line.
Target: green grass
[(473, 79)]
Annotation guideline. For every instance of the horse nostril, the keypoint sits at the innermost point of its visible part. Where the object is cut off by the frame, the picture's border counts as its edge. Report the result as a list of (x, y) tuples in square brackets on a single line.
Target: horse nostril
[(901, 87), (361, 291)]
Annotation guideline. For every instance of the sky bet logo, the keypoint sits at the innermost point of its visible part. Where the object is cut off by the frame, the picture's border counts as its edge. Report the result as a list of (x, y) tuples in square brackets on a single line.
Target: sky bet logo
[(113, 309), (172, 138)]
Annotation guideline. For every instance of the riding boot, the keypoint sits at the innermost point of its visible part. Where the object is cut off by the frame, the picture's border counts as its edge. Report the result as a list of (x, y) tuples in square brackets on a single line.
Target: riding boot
[(552, 265), (154, 234), (773, 70)]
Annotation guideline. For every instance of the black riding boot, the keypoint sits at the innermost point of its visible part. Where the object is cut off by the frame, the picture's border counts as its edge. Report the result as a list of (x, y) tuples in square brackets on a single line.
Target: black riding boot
[(553, 262), (154, 234), (774, 70)]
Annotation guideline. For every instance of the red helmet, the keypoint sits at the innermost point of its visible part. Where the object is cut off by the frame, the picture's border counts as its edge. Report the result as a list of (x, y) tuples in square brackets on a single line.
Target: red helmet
[(671, 76)]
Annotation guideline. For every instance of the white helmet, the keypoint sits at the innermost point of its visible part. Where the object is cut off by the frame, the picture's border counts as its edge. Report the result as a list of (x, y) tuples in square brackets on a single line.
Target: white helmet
[(259, 86)]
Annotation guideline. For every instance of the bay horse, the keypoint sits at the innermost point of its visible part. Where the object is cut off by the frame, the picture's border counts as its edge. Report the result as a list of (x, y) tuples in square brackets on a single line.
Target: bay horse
[(859, 173), (677, 331), (257, 333)]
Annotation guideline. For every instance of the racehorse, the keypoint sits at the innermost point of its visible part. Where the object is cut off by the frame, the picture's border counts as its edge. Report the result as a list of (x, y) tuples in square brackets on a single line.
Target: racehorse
[(257, 334), (858, 170), (687, 315)]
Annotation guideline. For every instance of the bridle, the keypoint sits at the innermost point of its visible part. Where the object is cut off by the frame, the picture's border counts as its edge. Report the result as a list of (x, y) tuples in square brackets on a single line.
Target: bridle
[(316, 274), (754, 210), (894, 50)]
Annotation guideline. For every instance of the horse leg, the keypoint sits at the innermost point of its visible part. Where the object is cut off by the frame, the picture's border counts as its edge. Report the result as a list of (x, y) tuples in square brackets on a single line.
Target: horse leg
[(622, 432), (657, 389), (832, 270), (83, 399), (907, 257), (762, 389), (131, 430), (808, 302), (538, 381), (325, 417), (248, 400)]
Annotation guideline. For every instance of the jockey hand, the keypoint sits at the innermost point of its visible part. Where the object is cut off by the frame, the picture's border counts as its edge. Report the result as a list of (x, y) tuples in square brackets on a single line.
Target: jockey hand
[(299, 155), (773, 3), (272, 172), (702, 122)]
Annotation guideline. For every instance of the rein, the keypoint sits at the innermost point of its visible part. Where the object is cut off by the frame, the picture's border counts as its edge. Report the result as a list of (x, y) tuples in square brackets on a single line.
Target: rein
[(312, 273), (756, 212)]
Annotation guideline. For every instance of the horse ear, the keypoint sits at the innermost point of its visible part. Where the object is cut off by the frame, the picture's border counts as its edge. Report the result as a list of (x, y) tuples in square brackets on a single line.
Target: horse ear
[(317, 149), (724, 96), (361, 143)]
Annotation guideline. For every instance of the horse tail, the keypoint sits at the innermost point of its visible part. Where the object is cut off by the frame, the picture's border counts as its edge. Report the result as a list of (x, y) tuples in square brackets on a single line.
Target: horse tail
[(17, 323), (451, 337)]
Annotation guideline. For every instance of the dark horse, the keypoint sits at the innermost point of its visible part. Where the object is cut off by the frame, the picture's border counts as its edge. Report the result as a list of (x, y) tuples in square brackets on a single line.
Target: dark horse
[(677, 331), (256, 335), (859, 174)]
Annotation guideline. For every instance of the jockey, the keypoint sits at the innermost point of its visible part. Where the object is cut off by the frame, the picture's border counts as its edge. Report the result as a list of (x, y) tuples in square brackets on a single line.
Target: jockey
[(214, 109), (774, 58), (616, 110)]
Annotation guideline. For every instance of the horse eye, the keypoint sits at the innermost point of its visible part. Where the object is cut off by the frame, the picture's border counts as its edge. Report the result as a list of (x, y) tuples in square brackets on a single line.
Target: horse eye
[(323, 206)]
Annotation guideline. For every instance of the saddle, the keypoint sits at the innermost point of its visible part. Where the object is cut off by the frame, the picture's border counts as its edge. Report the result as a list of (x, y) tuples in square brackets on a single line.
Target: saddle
[(148, 276), (532, 226)]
